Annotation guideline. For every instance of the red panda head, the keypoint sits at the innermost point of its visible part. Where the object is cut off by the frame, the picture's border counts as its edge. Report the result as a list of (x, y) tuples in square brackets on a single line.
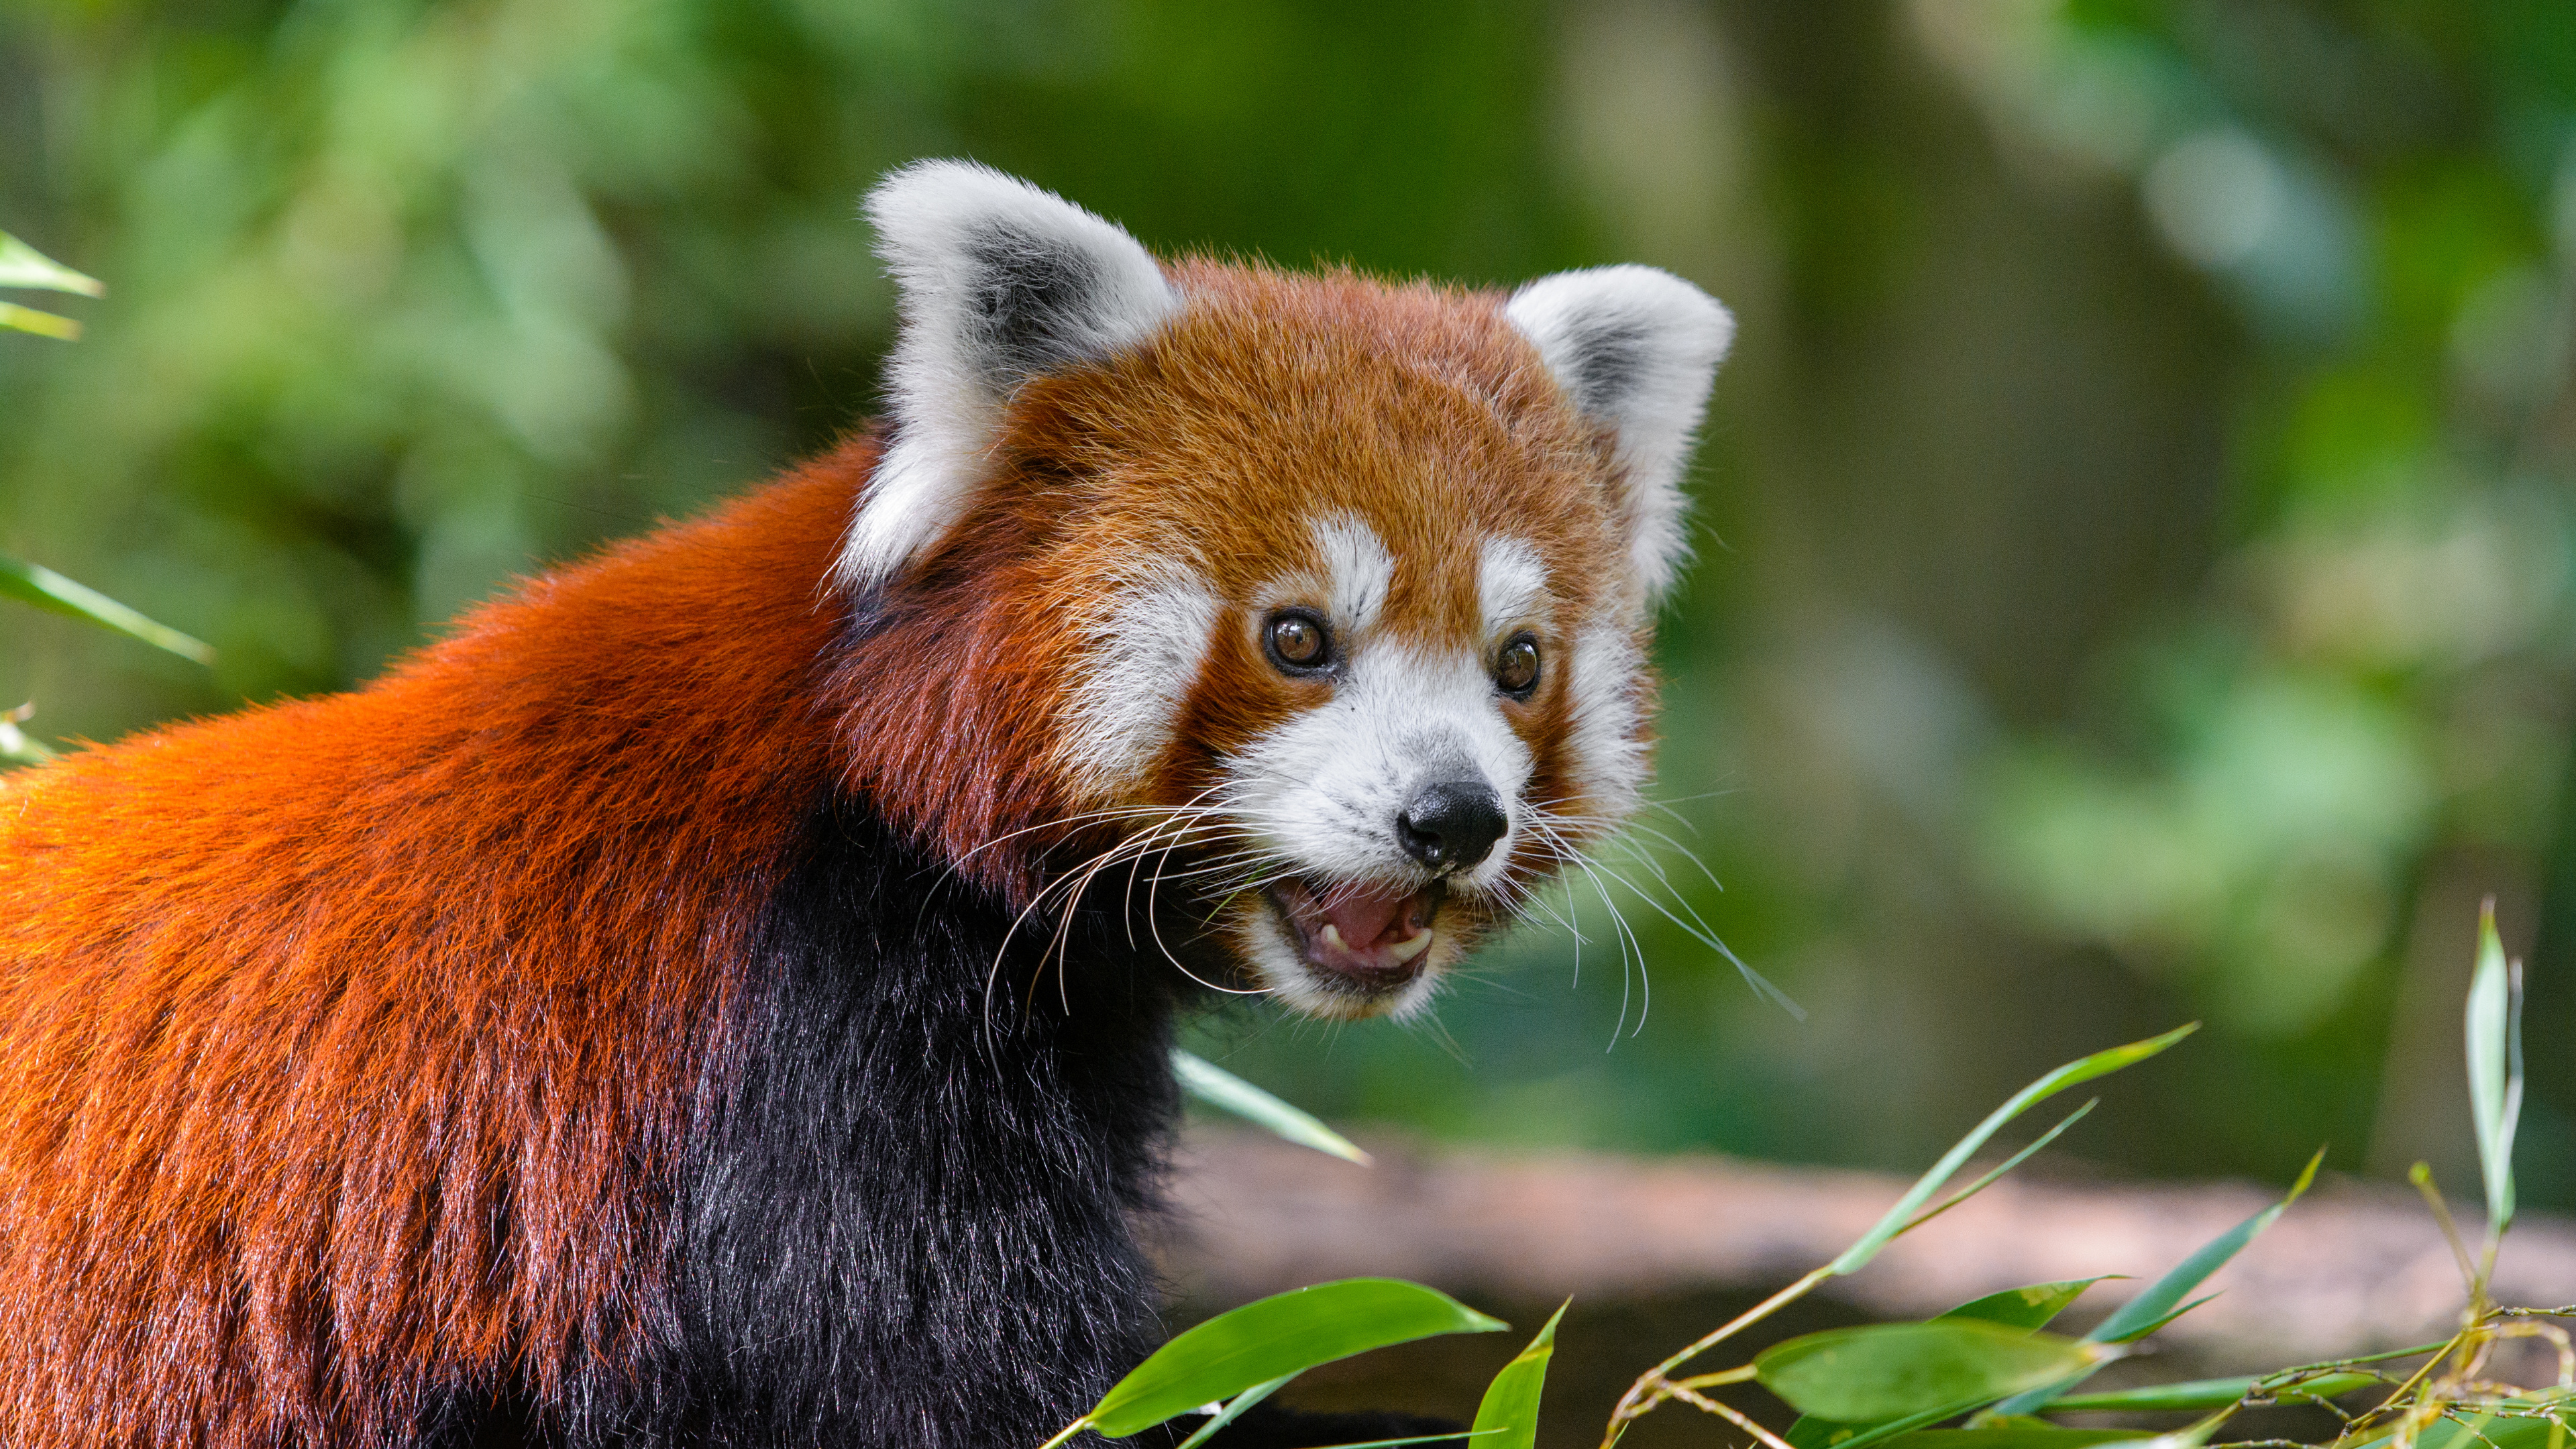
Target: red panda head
[(1318, 602)]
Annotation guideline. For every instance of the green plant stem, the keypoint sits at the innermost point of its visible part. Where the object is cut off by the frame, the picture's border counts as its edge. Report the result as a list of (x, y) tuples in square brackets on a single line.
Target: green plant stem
[(1655, 1385), (1710, 1381), (2421, 1174), (1067, 1432), (1712, 1406), (1742, 1321)]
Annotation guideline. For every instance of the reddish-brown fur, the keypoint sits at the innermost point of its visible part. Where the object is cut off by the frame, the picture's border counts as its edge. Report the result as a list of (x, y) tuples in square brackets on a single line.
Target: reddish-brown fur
[(346, 1045), (343, 1040)]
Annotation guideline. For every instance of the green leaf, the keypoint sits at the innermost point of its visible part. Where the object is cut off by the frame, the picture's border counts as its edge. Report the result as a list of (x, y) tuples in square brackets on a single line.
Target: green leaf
[(1996, 1173), (2162, 1300), (23, 266), (1888, 1370), (1233, 1410), (1225, 1091), (43, 324), (2495, 1066), (1279, 1337), (2203, 1394), (2158, 1326), (2029, 1307), (1508, 1416), (35, 584), (2071, 1074), (2156, 1305), (1814, 1433)]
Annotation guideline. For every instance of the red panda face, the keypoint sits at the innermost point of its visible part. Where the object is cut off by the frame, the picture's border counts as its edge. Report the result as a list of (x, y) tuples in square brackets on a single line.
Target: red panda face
[(1327, 600)]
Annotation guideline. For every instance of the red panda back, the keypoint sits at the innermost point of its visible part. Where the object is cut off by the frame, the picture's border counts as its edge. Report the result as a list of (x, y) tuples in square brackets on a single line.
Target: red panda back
[(337, 1038)]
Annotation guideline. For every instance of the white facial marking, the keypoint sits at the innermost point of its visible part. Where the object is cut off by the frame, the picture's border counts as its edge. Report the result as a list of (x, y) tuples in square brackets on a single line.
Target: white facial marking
[(1609, 764), (1511, 584), (1324, 788), (1146, 652), (1358, 568)]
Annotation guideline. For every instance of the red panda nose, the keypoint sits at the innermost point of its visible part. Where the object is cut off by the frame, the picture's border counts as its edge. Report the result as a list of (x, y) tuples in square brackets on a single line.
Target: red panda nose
[(1451, 824)]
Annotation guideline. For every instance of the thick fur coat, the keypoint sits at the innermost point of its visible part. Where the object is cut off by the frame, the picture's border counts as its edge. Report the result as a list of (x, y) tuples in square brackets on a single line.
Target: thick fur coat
[(686, 1004)]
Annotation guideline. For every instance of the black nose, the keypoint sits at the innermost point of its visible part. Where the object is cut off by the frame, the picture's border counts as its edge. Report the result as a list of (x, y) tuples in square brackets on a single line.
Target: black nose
[(1452, 824)]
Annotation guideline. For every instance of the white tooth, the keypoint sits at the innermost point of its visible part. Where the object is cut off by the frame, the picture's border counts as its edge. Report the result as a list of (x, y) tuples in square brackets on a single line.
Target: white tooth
[(1333, 937), (1410, 947)]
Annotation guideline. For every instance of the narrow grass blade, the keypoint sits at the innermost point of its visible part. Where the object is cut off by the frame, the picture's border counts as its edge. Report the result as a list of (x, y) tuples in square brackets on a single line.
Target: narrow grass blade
[(23, 266), (43, 324), (1278, 1337), (35, 584), (1227, 1092), (2071, 1074), (1889, 1370), (1508, 1416), (2495, 1066)]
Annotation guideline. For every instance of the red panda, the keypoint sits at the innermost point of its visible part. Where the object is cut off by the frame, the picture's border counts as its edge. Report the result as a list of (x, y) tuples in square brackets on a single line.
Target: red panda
[(721, 993)]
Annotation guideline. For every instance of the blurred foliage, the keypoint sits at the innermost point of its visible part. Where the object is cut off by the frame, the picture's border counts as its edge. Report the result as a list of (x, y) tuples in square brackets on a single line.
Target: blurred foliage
[(2136, 578)]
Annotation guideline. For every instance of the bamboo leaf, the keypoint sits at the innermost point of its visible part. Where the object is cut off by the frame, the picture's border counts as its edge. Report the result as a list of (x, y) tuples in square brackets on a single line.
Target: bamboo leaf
[(2073, 1073), (43, 324), (2162, 1300), (1278, 1337), (1996, 1174), (1508, 1416), (2199, 1395), (2495, 1066), (1813, 1433), (1890, 1370), (2029, 1308), (1227, 1092), (23, 266), (1233, 1410), (2156, 1305), (35, 584)]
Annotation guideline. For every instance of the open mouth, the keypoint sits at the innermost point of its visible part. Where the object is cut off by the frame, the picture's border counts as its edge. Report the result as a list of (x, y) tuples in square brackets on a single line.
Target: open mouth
[(1376, 937)]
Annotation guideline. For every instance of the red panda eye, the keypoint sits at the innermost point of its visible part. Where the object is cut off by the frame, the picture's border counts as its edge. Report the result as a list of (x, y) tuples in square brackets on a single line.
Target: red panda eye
[(1298, 642), (1516, 667)]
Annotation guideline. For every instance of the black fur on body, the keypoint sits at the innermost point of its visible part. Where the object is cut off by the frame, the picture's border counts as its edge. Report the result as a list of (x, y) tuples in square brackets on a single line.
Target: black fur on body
[(914, 1220)]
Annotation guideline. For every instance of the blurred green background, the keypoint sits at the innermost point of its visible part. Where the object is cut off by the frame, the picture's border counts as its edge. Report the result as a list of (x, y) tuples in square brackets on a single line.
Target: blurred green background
[(2134, 570)]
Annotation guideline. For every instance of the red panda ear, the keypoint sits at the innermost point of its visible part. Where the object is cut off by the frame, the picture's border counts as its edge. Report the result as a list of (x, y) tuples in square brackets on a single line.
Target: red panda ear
[(997, 282), (1634, 349)]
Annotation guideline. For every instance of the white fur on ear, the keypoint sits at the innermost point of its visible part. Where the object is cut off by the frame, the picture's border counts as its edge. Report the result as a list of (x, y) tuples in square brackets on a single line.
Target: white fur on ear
[(1633, 348), (997, 282)]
